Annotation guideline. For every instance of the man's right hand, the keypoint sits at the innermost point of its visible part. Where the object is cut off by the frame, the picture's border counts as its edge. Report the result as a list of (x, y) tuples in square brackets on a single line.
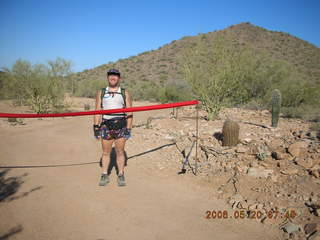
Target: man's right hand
[(96, 131)]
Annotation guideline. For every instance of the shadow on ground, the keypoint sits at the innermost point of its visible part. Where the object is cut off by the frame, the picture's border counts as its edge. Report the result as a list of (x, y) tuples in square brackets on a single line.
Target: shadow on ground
[(11, 232), (9, 186)]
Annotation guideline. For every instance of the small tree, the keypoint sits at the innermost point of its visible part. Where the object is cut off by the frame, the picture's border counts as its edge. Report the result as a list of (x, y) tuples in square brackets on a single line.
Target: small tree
[(223, 73), (88, 88), (39, 86), (215, 73)]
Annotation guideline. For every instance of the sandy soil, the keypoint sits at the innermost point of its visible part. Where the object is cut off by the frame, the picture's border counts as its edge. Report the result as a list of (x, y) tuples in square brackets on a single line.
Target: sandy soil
[(59, 198)]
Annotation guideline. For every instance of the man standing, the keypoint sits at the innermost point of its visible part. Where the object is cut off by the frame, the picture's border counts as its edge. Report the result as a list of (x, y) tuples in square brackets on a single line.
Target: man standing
[(115, 127)]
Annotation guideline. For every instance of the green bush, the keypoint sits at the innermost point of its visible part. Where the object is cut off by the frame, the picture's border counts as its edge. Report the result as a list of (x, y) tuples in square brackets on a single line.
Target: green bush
[(143, 90), (2, 82), (174, 93), (88, 88), (304, 111), (253, 104), (223, 74), (40, 86)]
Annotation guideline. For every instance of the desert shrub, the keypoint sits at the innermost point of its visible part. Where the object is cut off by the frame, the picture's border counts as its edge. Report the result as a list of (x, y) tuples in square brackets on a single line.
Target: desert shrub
[(304, 111), (86, 106), (88, 88), (217, 73), (162, 72), (223, 74), (300, 98), (295, 91), (143, 90), (253, 104), (174, 93), (40, 86), (316, 127), (16, 121), (163, 78)]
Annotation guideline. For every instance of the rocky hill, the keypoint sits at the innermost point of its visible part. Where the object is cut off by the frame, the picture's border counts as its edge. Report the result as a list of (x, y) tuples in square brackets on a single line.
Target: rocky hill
[(163, 65)]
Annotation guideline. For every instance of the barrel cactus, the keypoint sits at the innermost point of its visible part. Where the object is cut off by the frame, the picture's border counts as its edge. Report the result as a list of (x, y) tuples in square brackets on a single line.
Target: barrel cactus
[(230, 132), (276, 107)]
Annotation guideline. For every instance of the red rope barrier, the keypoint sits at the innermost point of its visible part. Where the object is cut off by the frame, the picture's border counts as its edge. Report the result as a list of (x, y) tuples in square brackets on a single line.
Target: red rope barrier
[(118, 110)]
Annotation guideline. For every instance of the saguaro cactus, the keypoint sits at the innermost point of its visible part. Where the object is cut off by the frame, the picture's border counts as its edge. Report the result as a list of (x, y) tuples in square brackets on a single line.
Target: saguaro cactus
[(276, 107), (230, 132)]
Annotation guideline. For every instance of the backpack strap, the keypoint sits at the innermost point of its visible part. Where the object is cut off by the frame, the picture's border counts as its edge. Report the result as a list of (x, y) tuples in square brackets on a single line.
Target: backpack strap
[(103, 91), (123, 93)]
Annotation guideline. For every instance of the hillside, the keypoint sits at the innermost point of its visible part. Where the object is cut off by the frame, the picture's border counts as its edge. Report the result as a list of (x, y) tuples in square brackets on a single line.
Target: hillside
[(162, 65)]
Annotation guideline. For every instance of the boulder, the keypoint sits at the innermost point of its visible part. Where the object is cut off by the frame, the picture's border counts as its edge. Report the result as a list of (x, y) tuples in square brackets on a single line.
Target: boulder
[(241, 149), (290, 171), (259, 172), (317, 212), (275, 144), (312, 135), (306, 163), (315, 236), (277, 155), (315, 171), (298, 149), (310, 228), (298, 133), (261, 151), (290, 228)]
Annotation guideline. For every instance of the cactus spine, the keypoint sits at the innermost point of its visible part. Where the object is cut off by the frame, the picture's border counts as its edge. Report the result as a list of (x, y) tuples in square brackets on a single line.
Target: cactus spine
[(230, 132), (276, 107)]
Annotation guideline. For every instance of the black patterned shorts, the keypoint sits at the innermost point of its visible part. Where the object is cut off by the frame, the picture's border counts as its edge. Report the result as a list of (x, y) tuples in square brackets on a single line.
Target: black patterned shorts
[(109, 134)]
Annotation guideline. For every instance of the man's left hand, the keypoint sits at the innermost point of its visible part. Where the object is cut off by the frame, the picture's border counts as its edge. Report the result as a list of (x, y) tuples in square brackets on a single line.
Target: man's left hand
[(127, 133)]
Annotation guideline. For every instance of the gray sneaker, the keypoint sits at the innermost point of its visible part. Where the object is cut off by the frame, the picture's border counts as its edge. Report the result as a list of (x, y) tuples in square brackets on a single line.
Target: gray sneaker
[(121, 180), (104, 179)]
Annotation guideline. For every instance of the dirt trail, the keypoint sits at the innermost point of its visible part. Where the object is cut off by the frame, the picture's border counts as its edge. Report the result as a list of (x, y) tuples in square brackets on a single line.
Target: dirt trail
[(66, 202)]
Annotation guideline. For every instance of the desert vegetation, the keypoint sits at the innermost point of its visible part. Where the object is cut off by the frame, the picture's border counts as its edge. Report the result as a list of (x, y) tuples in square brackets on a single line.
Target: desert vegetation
[(40, 86), (239, 66), (223, 74)]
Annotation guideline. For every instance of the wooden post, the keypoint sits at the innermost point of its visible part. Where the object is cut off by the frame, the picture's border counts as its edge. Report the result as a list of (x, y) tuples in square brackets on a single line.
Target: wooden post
[(197, 134)]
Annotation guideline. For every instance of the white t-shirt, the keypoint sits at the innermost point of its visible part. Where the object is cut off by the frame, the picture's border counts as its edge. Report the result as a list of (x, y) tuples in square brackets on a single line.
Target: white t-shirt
[(113, 101)]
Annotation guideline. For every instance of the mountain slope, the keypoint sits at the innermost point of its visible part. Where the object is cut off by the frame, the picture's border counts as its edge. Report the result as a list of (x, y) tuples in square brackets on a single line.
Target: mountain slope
[(162, 65)]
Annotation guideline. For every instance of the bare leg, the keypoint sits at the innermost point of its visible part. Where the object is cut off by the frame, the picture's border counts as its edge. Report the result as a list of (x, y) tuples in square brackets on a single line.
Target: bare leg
[(119, 144), (106, 147)]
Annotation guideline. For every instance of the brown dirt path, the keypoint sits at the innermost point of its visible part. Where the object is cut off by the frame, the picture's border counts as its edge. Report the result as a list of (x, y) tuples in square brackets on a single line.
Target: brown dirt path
[(67, 203)]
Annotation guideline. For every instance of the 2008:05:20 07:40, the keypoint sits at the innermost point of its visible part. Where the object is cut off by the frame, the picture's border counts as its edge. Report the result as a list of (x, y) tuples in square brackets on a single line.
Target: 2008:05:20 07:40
[(255, 214)]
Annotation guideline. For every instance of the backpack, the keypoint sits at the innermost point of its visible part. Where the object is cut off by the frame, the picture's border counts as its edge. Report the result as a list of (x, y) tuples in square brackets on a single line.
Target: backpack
[(123, 93)]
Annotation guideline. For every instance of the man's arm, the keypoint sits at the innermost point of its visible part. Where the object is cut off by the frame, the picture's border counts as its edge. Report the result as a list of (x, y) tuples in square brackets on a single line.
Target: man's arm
[(97, 118), (129, 114)]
